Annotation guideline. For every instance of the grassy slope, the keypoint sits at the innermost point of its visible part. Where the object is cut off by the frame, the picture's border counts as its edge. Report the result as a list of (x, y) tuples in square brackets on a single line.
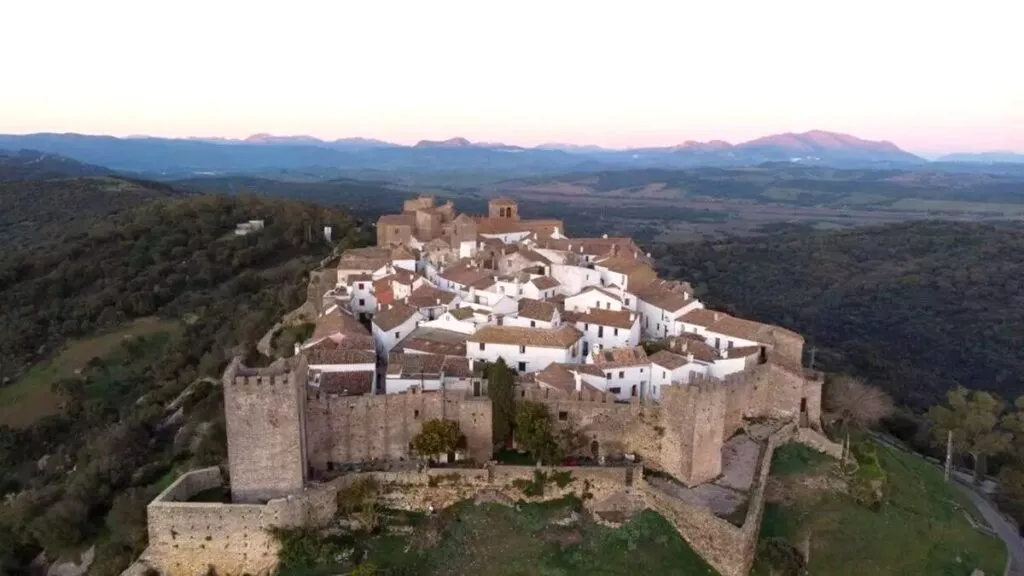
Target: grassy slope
[(499, 541), (921, 528), (31, 397)]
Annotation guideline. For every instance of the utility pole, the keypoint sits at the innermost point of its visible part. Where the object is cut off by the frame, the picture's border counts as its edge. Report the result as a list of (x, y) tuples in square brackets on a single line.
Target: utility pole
[(812, 352), (949, 454)]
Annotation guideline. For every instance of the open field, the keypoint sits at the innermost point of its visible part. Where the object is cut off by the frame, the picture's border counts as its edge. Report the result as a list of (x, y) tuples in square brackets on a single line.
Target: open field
[(921, 527), (31, 397)]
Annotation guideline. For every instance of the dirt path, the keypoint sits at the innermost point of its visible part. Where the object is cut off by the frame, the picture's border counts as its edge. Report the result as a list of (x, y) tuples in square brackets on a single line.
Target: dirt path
[(1006, 530)]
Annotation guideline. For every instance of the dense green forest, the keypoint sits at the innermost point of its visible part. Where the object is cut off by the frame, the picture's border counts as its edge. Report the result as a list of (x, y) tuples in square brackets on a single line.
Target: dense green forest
[(915, 308), (84, 474)]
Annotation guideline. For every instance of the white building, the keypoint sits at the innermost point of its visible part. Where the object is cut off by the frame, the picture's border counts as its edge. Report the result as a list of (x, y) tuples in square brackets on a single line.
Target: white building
[(534, 314), (525, 349), (541, 288), (392, 323), (596, 297), (429, 372), (432, 302), (603, 329), (661, 309), (627, 371), (464, 320), (574, 279)]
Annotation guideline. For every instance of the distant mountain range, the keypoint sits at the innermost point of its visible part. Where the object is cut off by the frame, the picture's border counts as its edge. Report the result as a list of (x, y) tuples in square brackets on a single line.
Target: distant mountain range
[(985, 158), (24, 165), (266, 153)]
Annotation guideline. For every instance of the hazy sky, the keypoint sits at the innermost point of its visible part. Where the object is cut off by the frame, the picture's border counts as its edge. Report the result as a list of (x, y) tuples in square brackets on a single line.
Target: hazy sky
[(932, 76)]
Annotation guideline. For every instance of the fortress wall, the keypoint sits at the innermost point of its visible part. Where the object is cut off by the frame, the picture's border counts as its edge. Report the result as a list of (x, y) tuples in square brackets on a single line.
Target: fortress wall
[(694, 417), (755, 508), (264, 413), (775, 392), (342, 429), (187, 537)]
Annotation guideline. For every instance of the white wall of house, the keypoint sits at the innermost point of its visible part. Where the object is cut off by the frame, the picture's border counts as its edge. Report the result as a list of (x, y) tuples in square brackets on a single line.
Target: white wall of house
[(725, 366), (343, 274), (342, 367), (387, 340), (409, 264), (656, 322), (609, 277), (447, 322), (363, 300), (574, 278), (467, 248), (662, 376), (621, 381), (395, 385), (524, 358), (592, 299), (531, 291), (511, 289), (556, 256), (600, 337), (720, 341), (532, 322)]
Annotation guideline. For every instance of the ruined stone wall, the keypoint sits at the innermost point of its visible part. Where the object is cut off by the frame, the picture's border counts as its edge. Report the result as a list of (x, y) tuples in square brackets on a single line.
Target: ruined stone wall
[(775, 391), (813, 384), (264, 414), (393, 234), (343, 429), (185, 538)]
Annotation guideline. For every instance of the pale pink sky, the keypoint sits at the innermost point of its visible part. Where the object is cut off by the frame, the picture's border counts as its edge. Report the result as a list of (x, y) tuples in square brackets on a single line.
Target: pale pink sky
[(932, 76)]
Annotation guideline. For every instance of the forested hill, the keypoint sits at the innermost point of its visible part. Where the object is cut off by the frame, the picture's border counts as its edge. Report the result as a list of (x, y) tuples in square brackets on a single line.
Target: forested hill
[(40, 210), (116, 323), (917, 308)]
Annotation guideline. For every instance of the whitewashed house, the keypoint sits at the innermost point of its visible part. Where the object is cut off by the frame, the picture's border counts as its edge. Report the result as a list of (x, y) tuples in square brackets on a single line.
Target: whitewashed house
[(661, 310), (525, 349), (429, 372), (627, 371), (603, 329), (541, 288), (463, 320), (534, 314), (595, 297), (574, 279), (392, 323), (432, 302)]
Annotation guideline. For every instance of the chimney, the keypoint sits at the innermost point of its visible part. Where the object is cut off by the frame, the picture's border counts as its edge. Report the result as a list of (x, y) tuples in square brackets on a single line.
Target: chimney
[(578, 379), (604, 236), (405, 300), (438, 301), (379, 306), (716, 316), (724, 352), (689, 358)]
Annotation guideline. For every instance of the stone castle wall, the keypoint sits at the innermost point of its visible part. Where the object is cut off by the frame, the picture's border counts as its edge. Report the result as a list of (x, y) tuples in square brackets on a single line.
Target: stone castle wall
[(345, 429), (264, 415)]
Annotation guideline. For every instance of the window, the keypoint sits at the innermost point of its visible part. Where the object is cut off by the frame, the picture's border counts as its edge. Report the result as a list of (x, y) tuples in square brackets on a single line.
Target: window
[(533, 324), (664, 374), (522, 366), (616, 332), (398, 335), (730, 344), (362, 302), (641, 370), (622, 374), (416, 414), (718, 343), (359, 286), (586, 327), (608, 376), (607, 305), (600, 331), (627, 301), (481, 345), (563, 416), (522, 349), (615, 390)]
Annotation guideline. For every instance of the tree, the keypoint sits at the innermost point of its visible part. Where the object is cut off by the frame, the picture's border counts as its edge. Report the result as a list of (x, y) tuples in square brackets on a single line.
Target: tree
[(533, 432), (437, 437), (856, 403), (500, 383), (974, 418)]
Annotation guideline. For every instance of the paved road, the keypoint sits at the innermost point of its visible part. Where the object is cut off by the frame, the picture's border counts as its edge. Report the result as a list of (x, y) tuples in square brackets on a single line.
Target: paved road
[(1006, 530)]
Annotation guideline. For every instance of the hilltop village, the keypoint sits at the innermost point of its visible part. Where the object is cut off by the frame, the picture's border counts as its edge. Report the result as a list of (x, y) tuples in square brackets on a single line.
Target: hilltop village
[(403, 331)]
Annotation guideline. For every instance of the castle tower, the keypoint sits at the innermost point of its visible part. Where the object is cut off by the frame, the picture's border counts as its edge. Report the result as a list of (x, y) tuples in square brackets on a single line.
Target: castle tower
[(694, 420), (264, 409), (504, 208)]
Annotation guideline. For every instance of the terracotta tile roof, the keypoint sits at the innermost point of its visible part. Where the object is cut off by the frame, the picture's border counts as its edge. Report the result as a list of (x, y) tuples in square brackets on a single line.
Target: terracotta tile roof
[(692, 344), (437, 245), (562, 337), (743, 351), (353, 383), (338, 355), (545, 282), (402, 253), (669, 295), (532, 256), (620, 357), (390, 317), (487, 225), (667, 359), (502, 201), (543, 228), (427, 296), (414, 365), (561, 377), (723, 323), (463, 274), (457, 366), (484, 283), (363, 341), (463, 313), (536, 309), (350, 278), (614, 318), (337, 322), (434, 341)]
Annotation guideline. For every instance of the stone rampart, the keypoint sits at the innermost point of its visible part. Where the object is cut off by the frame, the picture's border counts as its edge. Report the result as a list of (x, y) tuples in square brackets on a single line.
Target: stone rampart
[(345, 429), (185, 538)]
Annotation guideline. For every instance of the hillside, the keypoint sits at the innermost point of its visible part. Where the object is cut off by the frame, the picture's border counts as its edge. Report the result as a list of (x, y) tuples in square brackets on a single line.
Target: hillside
[(35, 165), (917, 308), (41, 210), (116, 324)]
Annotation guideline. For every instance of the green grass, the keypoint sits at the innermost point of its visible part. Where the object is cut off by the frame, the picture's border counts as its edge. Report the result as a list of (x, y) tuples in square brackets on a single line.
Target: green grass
[(497, 540), (919, 529), (31, 397), (791, 459)]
